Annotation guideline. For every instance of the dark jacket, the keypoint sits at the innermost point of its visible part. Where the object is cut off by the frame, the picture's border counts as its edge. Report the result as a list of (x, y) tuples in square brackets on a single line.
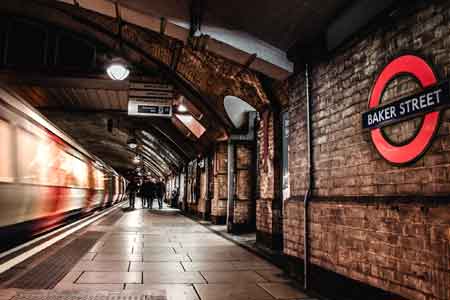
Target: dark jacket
[(132, 188), (148, 189), (160, 189)]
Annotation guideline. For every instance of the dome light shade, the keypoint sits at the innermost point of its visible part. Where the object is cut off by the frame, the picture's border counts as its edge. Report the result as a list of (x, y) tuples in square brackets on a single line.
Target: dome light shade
[(137, 159), (118, 70), (132, 143)]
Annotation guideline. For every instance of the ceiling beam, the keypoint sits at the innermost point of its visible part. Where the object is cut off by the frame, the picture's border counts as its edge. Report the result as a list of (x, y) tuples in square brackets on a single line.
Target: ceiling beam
[(166, 155), (62, 82)]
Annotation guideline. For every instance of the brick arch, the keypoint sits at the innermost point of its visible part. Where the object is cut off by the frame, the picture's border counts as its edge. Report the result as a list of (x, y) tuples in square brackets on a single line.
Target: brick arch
[(203, 76)]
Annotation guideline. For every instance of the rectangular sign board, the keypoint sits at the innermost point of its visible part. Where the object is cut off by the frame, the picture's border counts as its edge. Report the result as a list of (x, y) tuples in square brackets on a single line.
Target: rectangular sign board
[(151, 86), (430, 99), (150, 91), (150, 108)]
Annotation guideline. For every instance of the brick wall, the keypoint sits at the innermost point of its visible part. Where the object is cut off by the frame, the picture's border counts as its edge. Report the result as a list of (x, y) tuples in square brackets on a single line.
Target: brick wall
[(268, 210), (219, 201), (243, 200), (384, 225)]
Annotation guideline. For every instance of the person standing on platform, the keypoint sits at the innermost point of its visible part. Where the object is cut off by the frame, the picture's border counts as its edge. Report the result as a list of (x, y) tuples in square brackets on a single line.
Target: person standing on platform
[(151, 193), (131, 190), (160, 190), (143, 194), (147, 191)]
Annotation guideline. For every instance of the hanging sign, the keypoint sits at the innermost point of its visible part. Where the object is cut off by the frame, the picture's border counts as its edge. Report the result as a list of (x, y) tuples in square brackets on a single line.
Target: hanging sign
[(150, 99), (428, 102), (150, 108)]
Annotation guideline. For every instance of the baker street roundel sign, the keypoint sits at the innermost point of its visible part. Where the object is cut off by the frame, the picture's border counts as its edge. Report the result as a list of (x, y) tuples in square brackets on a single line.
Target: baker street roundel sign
[(428, 102)]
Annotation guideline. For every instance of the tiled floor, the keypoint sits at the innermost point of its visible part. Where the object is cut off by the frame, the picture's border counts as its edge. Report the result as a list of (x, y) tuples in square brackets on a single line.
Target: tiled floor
[(164, 254)]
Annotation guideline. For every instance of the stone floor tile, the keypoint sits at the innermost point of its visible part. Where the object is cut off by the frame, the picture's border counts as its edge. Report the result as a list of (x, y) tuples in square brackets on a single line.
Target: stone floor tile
[(283, 291), (117, 257), (156, 266), (89, 256), (198, 257), (156, 250), (110, 277), (71, 277), (252, 265), (165, 257), (232, 277), (152, 244), (274, 276), (172, 277), (116, 250), (90, 287), (209, 266), (232, 292), (170, 291), (7, 294), (107, 266)]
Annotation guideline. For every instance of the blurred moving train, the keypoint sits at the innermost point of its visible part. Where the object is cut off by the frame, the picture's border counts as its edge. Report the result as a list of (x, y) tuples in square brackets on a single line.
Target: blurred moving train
[(46, 178)]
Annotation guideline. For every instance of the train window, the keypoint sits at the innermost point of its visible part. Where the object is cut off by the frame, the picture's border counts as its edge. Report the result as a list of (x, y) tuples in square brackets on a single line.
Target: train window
[(40, 161), (99, 180), (6, 157)]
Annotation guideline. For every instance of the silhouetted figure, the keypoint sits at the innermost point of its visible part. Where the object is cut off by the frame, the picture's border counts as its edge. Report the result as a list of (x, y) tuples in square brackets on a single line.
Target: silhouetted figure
[(147, 194), (160, 192), (132, 189), (174, 200)]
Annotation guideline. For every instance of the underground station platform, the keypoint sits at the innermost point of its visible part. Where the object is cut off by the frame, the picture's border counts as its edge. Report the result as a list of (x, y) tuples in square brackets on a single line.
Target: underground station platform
[(212, 150), (142, 254)]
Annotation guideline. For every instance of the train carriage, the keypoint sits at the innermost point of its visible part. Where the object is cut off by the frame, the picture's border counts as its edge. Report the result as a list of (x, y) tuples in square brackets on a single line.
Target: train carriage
[(46, 178)]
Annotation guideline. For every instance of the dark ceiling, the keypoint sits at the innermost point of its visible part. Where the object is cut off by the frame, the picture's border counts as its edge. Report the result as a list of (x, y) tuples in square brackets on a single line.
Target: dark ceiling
[(73, 91), (279, 23)]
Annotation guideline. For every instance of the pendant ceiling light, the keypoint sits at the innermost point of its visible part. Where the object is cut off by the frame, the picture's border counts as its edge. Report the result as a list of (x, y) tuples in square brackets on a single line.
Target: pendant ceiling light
[(181, 106), (132, 143), (118, 69), (137, 159)]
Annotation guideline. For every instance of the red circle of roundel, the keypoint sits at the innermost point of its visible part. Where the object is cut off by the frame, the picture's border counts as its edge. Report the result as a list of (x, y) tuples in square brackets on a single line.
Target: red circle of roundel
[(417, 67)]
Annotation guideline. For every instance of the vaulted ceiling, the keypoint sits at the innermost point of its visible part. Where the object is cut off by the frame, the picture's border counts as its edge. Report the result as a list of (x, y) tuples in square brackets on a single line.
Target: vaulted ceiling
[(238, 48)]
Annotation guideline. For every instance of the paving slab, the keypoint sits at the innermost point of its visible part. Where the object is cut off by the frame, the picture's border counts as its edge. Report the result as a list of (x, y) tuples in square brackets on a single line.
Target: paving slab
[(209, 266), (169, 291), (117, 257), (232, 292), (173, 277), (109, 266), (233, 277), (110, 277), (166, 255), (283, 291), (156, 266)]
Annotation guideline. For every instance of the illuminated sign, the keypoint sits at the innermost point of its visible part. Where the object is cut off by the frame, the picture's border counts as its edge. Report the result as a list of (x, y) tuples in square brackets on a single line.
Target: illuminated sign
[(434, 96), (150, 108)]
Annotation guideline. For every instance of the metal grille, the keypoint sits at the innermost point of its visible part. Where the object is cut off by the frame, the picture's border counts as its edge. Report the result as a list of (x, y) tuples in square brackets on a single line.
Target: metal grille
[(48, 273)]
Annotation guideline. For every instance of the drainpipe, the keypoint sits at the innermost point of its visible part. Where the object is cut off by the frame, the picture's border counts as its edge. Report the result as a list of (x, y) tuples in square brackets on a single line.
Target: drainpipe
[(310, 181), (249, 136)]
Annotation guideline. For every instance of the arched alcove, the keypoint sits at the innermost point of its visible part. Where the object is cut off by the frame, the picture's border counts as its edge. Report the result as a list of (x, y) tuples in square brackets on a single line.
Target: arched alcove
[(237, 110)]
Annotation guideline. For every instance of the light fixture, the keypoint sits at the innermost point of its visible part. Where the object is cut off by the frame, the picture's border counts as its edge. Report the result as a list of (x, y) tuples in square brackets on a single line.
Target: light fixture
[(137, 159), (117, 69), (132, 143), (181, 106)]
